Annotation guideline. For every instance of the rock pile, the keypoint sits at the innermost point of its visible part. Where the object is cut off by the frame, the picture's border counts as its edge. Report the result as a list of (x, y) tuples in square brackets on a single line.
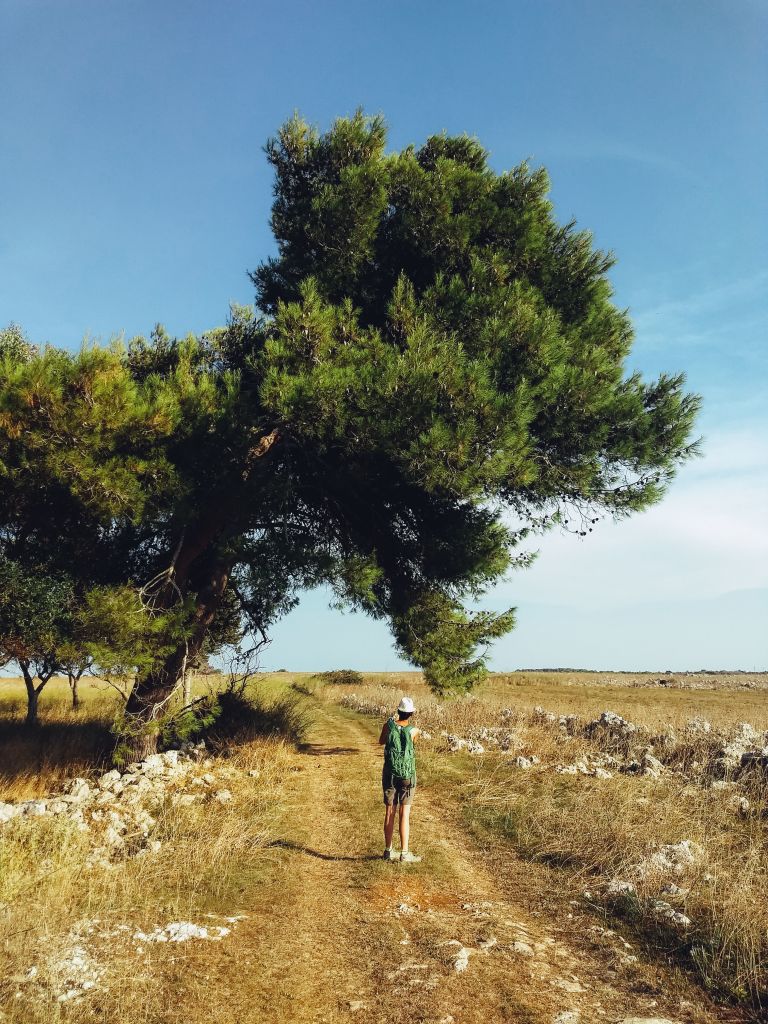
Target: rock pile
[(655, 874), (614, 732), (670, 859), (646, 764), (599, 766), (523, 763), (746, 748), (183, 931), (567, 724), (478, 741), (365, 706), (698, 753), (119, 809)]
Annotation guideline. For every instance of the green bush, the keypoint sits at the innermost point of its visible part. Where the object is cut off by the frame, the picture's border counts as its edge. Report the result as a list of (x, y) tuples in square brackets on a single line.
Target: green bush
[(341, 677)]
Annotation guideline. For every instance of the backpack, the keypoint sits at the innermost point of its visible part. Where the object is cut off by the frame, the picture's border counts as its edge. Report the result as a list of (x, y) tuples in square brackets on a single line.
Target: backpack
[(398, 751)]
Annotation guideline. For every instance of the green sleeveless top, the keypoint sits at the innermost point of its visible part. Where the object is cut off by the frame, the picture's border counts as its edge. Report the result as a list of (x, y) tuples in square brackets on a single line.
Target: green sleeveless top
[(399, 757)]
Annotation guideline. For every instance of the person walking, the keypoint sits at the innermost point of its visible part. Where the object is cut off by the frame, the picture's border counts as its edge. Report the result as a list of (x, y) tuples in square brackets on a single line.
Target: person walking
[(398, 778)]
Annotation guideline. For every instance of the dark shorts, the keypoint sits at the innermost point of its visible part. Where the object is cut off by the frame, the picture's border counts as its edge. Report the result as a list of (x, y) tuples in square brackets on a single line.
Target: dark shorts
[(396, 791)]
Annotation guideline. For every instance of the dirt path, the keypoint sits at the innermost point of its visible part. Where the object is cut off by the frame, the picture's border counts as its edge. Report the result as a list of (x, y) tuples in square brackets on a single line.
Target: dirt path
[(340, 935)]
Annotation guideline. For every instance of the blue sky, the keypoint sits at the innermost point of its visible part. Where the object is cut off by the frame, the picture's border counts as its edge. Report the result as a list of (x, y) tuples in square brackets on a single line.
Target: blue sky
[(134, 189)]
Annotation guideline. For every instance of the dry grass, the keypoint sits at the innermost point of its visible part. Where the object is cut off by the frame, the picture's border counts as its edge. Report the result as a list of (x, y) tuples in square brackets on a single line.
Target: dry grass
[(600, 830), (724, 700), (593, 830), (46, 896), (35, 761), (65, 743), (586, 830), (52, 905)]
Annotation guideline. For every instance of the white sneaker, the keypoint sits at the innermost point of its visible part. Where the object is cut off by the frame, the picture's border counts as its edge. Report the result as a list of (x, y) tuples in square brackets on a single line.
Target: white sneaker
[(406, 857)]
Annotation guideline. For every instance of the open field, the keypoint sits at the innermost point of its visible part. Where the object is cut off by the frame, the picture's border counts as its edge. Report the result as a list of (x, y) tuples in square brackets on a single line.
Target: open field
[(647, 814), (723, 699), (598, 871)]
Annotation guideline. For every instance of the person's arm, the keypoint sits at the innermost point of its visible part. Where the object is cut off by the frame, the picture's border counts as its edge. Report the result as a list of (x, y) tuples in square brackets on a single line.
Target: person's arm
[(384, 731), (415, 733)]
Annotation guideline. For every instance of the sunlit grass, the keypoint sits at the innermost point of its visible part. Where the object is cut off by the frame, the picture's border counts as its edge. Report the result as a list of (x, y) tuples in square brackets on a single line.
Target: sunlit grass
[(591, 830)]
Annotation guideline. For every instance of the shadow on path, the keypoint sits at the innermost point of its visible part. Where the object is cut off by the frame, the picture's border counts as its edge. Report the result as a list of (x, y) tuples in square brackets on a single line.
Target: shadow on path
[(286, 844), (318, 750)]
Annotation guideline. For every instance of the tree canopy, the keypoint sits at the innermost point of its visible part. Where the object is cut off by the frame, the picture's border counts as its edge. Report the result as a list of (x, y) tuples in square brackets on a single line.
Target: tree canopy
[(434, 367)]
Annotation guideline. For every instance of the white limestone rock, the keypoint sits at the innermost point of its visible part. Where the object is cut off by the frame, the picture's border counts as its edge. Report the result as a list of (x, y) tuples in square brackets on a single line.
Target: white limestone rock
[(672, 858), (8, 811), (33, 808), (79, 790), (522, 948), (674, 891), (647, 1020), (182, 931), (184, 799), (740, 804), (663, 911), (698, 726), (612, 724), (461, 962), (108, 779), (621, 887)]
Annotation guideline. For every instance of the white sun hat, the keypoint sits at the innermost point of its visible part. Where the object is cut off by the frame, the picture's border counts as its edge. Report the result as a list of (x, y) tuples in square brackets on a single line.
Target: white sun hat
[(406, 704)]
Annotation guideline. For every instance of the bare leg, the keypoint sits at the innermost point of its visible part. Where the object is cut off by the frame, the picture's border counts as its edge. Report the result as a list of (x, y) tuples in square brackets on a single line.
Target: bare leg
[(405, 826), (389, 824)]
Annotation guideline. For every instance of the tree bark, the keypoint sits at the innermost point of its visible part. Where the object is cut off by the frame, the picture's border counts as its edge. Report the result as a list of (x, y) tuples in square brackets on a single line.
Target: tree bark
[(187, 687), (152, 690), (73, 682), (33, 695), (195, 568)]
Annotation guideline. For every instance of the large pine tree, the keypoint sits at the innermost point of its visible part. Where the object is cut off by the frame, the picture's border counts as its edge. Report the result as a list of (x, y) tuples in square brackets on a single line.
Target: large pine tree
[(435, 367)]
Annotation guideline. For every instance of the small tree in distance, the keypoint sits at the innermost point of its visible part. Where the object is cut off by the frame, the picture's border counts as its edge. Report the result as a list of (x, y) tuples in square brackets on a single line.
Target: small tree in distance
[(33, 627)]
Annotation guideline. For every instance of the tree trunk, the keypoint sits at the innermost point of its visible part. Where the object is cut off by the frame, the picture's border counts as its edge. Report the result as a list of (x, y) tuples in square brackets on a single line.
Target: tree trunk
[(32, 695), (195, 568), (187, 688), (73, 681), (152, 690)]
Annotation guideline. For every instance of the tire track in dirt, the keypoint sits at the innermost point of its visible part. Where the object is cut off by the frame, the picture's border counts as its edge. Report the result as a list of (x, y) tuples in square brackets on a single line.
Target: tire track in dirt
[(305, 946)]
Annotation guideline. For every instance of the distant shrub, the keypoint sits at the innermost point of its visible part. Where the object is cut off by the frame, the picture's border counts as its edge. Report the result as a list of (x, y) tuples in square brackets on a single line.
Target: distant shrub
[(341, 677)]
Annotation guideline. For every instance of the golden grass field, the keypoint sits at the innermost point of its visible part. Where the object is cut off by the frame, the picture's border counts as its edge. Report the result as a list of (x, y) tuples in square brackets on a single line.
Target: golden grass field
[(296, 852)]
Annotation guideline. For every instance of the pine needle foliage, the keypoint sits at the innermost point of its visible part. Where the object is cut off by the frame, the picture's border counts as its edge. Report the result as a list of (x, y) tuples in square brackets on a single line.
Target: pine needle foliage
[(434, 368), (450, 354)]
